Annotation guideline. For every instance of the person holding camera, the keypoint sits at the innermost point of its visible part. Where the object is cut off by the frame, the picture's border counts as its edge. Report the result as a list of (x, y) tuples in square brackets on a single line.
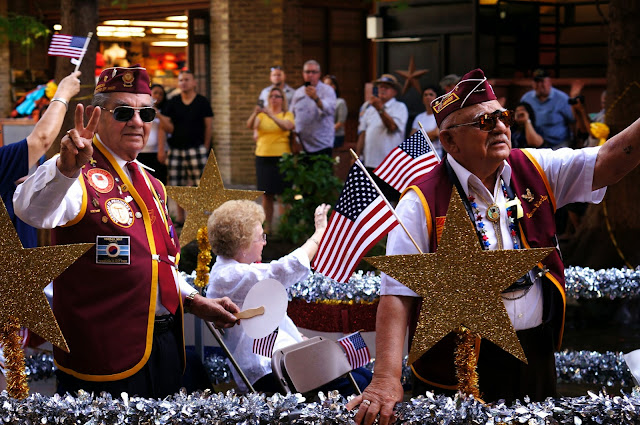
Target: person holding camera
[(271, 127), (554, 116), (382, 129), (523, 131), (314, 105)]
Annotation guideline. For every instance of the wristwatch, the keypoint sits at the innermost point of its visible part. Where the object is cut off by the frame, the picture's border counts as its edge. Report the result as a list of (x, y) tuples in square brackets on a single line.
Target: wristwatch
[(188, 301)]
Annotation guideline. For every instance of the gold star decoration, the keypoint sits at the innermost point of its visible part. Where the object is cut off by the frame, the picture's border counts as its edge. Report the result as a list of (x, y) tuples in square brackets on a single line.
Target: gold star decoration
[(461, 284), (199, 202), (412, 75), (25, 274)]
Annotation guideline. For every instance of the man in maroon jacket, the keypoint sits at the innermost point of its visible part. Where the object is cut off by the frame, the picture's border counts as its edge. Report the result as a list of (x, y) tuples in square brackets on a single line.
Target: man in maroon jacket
[(120, 306), (482, 167)]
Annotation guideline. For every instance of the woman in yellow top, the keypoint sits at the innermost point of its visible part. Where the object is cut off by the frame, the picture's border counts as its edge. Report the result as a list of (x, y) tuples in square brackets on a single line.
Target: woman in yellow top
[(271, 127)]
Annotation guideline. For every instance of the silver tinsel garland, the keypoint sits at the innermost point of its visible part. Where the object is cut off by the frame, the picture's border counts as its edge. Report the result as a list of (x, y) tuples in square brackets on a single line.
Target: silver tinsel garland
[(581, 283), (572, 367), (592, 368), (229, 408), (586, 283)]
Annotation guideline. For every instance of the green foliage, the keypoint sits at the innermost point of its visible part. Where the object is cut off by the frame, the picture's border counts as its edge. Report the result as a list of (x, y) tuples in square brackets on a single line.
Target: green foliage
[(22, 29), (312, 183)]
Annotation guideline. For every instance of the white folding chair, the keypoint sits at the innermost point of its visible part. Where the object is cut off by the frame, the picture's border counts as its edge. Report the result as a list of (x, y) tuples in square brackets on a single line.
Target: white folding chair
[(310, 364)]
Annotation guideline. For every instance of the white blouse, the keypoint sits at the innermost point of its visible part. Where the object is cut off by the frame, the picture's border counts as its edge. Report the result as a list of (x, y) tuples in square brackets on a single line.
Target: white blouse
[(229, 278)]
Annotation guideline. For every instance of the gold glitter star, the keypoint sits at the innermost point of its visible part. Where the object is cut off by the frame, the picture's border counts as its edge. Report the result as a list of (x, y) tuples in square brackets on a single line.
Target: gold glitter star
[(25, 273), (199, 202), (461, 284), (412, 76)]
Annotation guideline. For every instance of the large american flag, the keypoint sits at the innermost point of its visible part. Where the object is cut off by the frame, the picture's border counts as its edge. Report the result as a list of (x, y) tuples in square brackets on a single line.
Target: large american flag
[(356, 349), (67, 45), (359, 220), (411, 159), (264, 346)]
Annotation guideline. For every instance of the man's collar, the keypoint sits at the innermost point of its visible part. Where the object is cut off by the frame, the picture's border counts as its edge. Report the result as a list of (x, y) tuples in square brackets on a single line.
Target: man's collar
[(465, 176), (390, 101)]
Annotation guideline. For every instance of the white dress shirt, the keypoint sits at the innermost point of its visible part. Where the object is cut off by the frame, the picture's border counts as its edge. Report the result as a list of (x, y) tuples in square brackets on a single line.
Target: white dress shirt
[(48, 199), (233, 279), (378, 140), (570, 176)]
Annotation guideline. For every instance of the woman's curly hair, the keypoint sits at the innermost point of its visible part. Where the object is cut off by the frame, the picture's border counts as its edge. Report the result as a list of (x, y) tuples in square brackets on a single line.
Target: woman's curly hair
[(230, 227)]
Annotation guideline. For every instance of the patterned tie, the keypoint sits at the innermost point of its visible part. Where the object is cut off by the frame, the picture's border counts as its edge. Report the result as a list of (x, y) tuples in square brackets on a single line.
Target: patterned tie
[(164, 245)]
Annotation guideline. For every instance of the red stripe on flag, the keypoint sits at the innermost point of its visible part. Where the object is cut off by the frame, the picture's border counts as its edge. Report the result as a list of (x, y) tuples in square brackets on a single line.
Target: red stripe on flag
[(409, 174), (345, 242)]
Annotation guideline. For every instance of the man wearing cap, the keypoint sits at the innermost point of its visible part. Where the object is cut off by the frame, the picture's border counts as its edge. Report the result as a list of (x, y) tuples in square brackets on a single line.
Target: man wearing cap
[(278, 78), (554, 115), (120, 306), (313, 106), (482, 167), (382, 128)]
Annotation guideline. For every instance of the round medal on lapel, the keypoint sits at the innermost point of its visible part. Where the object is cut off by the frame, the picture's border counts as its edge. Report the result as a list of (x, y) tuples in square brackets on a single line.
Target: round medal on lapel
[(119, 212), (101, 180), (493, 213)]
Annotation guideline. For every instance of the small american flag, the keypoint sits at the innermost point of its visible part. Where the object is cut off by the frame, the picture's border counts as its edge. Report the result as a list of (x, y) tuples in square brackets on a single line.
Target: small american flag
[(264, 346), (359, 220), (67, 45), (356, 349), (411, 159)]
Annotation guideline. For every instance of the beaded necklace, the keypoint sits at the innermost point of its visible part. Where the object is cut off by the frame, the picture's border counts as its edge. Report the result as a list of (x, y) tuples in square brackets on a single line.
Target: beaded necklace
[(493, 215)]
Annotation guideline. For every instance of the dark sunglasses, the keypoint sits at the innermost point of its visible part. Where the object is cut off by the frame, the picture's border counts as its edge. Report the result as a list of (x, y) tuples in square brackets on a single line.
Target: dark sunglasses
[(488, 122), (125, 113)]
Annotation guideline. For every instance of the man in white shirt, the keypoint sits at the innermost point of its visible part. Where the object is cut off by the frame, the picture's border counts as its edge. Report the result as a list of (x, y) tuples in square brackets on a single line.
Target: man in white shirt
[(278, 78), (481, 166), (120, 306), (382, 129), (314, 106)]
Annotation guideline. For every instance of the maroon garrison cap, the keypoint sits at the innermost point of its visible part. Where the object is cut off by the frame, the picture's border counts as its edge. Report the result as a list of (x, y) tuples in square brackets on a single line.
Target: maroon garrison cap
[(473, 88), (129, 80)]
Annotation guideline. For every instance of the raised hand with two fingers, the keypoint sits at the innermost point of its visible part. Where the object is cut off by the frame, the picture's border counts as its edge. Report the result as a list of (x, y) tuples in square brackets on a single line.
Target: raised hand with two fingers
[(76, 147)]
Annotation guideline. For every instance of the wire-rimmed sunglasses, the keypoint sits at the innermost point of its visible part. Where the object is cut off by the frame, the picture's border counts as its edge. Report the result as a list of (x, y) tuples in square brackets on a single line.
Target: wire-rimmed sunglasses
[(488, 122), (125, 113)]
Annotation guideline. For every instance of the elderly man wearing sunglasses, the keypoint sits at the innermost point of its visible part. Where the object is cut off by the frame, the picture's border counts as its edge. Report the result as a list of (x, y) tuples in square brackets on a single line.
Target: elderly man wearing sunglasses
[(120, 306), (490, 177)]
